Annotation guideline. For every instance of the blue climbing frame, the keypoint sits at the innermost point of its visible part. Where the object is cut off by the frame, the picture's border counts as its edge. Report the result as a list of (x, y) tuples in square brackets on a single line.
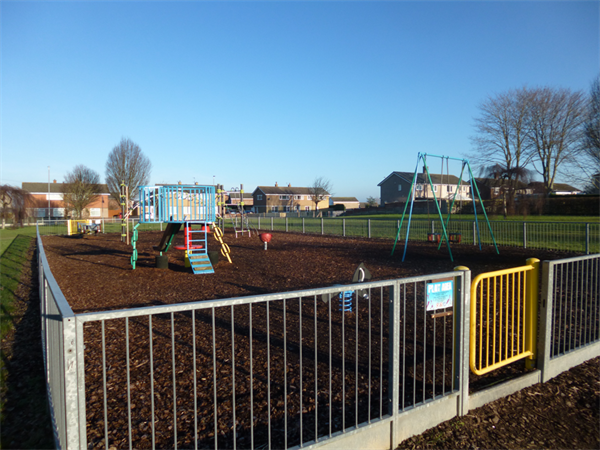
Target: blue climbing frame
[(177, 204), (182, 204)]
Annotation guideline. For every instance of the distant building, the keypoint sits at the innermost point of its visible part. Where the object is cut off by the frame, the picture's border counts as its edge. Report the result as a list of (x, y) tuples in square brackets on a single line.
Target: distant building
[(286, 199), (233, 200), (47, 201), (396, 186), (557, 188), (348, 202)]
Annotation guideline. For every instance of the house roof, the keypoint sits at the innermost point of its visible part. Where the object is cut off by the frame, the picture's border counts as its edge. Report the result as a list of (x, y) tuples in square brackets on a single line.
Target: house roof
[(556, 187), (564, 187), (422, 178), (285, 190), (344, 199), (498, 182), (57, 188)]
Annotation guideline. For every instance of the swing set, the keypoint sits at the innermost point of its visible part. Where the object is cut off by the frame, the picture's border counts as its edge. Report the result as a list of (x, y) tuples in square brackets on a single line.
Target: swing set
[(452, 237)]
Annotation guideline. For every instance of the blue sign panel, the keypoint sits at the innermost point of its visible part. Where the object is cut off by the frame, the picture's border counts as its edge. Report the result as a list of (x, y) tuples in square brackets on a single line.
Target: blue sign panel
[(440, 295)]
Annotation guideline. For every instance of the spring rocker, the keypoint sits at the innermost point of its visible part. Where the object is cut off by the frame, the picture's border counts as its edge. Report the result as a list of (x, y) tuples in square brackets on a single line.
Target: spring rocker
[(190, 206)]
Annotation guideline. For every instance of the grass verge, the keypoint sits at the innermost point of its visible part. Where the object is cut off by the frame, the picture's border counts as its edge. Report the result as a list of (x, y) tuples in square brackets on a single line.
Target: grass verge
[(24, 417)]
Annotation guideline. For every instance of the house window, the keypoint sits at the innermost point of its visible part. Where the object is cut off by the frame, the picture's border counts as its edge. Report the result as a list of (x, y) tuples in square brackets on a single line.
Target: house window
[(449, 188), (297, 197), (399, 187), (307, 208), (95, 212), (419, 187), (287, 209), (259, 197), (435, 188), (273, 208), (284, 197)]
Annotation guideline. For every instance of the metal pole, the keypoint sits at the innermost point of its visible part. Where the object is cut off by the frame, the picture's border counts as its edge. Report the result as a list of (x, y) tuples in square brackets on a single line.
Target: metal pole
[(48, 192), (587, 238)]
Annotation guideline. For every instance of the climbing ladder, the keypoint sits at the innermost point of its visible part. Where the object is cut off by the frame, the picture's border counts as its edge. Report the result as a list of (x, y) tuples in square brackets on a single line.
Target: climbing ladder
[(244, 225), (197, 248)]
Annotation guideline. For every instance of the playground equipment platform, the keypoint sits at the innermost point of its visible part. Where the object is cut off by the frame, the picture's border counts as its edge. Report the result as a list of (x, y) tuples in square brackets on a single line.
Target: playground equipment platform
[(178, 205)]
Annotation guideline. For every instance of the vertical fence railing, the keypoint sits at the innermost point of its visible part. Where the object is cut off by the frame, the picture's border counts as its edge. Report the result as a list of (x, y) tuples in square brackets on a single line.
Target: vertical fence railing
[(563, 236), (503, 317), (273, 371), (571, 289), (60, 356)]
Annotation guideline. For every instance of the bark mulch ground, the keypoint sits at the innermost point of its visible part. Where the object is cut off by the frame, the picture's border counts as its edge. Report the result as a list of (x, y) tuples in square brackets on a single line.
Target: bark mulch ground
[(95, 274)]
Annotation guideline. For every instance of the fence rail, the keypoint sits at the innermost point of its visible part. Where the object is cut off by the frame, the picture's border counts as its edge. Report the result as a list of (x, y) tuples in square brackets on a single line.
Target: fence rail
[(286, 370), (581, 237), (503, 317)]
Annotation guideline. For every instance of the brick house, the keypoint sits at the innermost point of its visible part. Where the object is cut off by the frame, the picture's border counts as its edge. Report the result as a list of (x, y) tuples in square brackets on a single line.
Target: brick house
[(285, 199), (396, 186), (44, 196)]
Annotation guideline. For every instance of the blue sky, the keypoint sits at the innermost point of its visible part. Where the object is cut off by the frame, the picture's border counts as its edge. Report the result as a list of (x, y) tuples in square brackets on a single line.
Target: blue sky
[(255, 93)]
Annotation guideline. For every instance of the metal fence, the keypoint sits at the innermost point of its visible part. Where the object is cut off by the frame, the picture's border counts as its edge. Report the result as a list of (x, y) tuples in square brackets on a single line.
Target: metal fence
[(287, 370), (581, 237), (503, 317), (272, 371), (572, 290)]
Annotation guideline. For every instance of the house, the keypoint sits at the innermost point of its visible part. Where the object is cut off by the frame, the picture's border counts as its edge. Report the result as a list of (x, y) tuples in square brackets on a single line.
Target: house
[(47, 201), (234, 198), (493, 188), (396, 186), (557, 188), (286, 199), (348, 202)]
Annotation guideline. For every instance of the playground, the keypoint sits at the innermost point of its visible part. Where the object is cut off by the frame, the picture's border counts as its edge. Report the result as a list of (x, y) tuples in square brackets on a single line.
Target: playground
[(95, 274)]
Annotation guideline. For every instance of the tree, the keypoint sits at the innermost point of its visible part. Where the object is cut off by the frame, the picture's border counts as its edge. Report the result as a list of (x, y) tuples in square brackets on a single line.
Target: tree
[(555, 123), (591, 139), (13, 203), (80, 188), (509, 179), (541, 127), (126, 163), (320, 189), (502, 133), (372, 202)]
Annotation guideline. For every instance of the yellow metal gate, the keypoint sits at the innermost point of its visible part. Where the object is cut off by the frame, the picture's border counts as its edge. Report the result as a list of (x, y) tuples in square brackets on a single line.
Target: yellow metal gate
[(503, 325)]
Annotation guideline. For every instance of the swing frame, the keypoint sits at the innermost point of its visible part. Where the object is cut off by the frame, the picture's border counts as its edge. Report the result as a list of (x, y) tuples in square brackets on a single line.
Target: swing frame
[(411, 194)]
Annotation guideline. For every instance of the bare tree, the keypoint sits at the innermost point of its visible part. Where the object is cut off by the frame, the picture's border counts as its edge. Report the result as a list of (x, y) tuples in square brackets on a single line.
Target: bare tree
[(591, 140), (508, 180), (541, 127), (126, 163), (80, 188), (501, 132), (13, 203), (320, 190), (554, 129)]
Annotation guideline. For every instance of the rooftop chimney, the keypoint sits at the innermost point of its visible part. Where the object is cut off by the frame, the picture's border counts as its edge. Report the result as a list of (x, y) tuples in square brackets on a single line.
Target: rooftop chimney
[(55, 181), (276, 184), (289, 184)]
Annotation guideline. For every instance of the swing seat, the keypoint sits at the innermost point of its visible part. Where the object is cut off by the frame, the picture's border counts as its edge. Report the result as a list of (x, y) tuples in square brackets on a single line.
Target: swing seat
[(434, 237), (454, 238)]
